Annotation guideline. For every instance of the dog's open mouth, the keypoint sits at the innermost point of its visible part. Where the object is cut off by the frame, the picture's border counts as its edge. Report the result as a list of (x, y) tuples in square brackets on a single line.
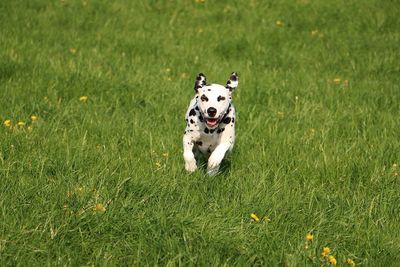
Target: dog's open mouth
[(211, 122)]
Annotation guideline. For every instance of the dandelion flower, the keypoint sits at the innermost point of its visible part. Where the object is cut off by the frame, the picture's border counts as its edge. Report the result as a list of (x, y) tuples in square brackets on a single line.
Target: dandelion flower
[(30, 128), (314, 32), (158, 164), (99, 208), (309, 237), (83, 98), (350, 262), (336, 81), (165, 154), (254, 217), (279, 23), (332, 260), (7, 123), (21, 123), (325, 251), (34, 118)]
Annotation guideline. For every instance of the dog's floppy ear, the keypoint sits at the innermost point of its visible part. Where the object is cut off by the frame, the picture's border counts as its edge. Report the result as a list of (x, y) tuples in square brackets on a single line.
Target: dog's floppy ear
[(233, 82), (201, 80)]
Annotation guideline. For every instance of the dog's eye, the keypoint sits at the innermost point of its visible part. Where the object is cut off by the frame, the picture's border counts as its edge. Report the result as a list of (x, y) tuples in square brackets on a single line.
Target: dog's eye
[(221, 98), (204, 98)]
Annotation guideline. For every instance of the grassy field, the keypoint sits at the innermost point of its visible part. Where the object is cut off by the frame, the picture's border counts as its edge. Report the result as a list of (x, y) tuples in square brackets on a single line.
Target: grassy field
[(96, 176)]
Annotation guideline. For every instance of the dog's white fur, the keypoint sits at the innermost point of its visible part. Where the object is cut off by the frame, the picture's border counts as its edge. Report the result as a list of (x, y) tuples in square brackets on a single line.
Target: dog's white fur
[(210, 121)]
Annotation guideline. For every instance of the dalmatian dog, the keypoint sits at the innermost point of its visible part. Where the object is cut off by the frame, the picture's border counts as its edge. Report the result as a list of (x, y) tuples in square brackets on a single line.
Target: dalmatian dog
[(210, 124)]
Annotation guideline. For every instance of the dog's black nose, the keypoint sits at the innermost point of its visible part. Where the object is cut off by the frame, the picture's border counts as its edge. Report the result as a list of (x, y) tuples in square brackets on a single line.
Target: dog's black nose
[(211, 112)]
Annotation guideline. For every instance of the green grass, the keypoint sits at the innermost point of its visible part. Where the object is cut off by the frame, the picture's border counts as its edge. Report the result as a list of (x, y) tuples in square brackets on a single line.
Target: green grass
[(313, 154)]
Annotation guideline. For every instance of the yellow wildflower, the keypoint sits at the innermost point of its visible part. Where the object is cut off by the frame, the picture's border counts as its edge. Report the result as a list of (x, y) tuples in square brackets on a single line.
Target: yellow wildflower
[(325, 251), (99, 208), (279, 23), (280, 114), (7, 123), (332, 260), (337, 81), (165, 154), (255, 217), (21, 123), (168, 70), (314, 32), (158, 164), (309, 237), (30, 128), (350, 262), (83, 98), (72, 50), (34, 118)]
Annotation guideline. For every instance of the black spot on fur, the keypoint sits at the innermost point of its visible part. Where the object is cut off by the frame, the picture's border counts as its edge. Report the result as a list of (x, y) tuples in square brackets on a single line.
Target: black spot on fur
[(220, 130), (199, 143), (209, 89), (227, 120), (209, 150), (191, 121), (233, 120), (192, 112), (204, 98), (201, 118), (206, 130), (233, 77), (220, 98), (196, 107), (212, 131)]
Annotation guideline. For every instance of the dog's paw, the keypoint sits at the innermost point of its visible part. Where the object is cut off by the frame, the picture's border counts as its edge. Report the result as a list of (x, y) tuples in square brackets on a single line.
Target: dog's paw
[(213, 171), (213, 163), (190, 165)]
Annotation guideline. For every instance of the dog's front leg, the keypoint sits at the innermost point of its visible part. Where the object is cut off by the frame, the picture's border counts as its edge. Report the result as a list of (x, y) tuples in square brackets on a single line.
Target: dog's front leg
[(216, 157), (190, 161)]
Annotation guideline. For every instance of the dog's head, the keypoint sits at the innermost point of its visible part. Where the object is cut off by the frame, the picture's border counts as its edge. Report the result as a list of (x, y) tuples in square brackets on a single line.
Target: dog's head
[(213, 99)]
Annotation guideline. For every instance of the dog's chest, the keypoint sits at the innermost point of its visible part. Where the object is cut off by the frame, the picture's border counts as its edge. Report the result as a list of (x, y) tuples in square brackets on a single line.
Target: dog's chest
[(208, 142)]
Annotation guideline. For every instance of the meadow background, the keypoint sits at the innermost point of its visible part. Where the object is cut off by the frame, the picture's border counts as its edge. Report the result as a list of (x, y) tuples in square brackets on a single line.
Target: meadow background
[(92, 102)]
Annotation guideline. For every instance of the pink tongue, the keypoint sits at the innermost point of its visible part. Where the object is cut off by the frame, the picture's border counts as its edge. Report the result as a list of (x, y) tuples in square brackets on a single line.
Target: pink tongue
[(212, 122)]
